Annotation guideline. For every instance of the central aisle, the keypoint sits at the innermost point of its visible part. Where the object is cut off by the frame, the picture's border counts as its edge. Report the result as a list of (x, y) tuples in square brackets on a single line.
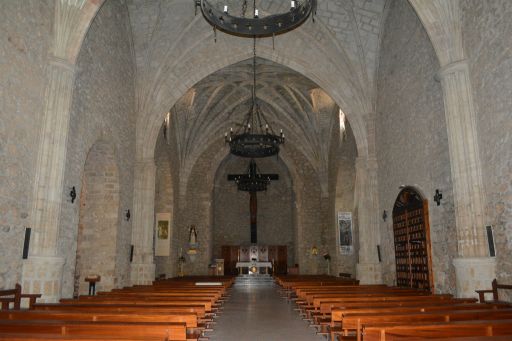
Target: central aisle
[(257, 312)]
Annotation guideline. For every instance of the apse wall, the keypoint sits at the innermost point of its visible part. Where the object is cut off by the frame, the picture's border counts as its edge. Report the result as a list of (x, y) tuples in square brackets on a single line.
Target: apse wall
[(275, 207), (411, 138), (102, 108), (487, 39), (26, 28)]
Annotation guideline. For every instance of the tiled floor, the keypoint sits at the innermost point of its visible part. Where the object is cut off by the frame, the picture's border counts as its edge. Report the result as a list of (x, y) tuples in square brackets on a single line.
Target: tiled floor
[(258, 313)]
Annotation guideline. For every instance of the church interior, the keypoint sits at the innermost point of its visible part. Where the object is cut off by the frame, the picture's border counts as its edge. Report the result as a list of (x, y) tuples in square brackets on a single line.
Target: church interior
[(220, 161)]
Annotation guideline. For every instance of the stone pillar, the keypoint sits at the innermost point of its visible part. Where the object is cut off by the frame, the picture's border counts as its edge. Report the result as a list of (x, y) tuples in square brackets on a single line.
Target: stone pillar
[(468, 193), (368, 269), (143, 267), (48, 184)]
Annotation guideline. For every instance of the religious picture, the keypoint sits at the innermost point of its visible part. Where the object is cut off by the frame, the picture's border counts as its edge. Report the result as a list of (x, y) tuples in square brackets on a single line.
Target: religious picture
[(163, 229), (163, 233), (345, 232)]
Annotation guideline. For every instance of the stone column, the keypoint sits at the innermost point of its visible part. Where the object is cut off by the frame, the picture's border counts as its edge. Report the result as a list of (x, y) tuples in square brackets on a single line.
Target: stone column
[(143, 267), (474, 268), (42, 271), (368, 269)]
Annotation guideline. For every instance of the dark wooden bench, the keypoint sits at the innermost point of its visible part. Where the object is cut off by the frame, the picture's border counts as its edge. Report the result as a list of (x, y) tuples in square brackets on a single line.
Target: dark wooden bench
[(494, 291)]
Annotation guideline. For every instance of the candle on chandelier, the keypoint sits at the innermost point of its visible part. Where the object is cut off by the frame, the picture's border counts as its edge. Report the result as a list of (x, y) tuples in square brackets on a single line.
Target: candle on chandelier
[(256, 13), (226, 9), (293, 4)]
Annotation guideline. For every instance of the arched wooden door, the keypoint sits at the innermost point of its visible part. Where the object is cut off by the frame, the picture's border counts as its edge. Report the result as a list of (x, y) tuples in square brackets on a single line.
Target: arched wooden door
[(412, 241)]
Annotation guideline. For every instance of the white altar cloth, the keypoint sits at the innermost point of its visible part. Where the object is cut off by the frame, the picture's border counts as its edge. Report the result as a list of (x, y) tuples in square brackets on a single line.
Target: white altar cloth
[(256, 264)]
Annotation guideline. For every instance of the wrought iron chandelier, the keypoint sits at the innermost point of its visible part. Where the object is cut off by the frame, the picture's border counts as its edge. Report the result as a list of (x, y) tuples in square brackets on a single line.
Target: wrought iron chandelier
[(255, 138), (257, 26), (253, 180)]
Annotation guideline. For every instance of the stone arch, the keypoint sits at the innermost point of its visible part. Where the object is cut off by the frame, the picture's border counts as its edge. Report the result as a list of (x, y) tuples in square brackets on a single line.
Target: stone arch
[(346, 90), (99, 218)]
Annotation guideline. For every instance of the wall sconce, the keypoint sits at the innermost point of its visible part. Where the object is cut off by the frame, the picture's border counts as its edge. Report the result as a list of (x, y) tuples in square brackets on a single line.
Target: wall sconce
[(127, 215), (384, 215), (314, 251), (438, 196), (72, 194)]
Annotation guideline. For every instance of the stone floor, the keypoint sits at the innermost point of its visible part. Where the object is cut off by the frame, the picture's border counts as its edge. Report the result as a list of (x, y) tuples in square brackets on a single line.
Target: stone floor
[(259, 313)]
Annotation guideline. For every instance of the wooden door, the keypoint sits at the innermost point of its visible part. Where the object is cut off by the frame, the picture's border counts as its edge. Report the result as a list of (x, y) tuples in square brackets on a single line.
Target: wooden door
[(412, 241)]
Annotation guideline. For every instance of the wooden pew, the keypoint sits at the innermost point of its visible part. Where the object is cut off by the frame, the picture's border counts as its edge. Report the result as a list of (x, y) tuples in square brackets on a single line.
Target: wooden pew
[(494, 291), (355, 321), (429, 330), (172, 331), (14, 296)]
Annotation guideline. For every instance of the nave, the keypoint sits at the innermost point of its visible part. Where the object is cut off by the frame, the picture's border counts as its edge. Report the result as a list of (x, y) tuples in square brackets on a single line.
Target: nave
[(257, 312)]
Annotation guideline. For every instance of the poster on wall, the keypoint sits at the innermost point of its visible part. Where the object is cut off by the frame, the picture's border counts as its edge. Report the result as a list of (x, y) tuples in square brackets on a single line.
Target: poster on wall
[(163, 234), (345, 233)]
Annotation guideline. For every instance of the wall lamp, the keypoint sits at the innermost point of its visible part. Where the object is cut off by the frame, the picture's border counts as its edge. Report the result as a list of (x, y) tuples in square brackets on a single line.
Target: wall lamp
[(384, 215), (72, 194), (127, 215), (438, 196)]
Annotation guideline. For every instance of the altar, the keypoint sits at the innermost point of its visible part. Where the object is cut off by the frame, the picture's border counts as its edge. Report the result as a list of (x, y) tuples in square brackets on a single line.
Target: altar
[(239, 259), (253, 265)]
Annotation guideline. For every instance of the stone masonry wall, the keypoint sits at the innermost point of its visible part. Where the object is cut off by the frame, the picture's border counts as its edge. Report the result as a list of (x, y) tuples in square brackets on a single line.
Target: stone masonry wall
[(487, 39), (164, 203), (231, 208), (25, 35), (411, 138), (344, 201), (102, 108), (97, 227)]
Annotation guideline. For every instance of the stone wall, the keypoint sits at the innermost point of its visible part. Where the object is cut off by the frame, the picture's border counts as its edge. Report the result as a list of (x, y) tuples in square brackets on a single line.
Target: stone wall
[(344, 201), (98, 219), (231, 208), (102, 109), (164, 203), (487, 39), (411, 138), (25, 31)]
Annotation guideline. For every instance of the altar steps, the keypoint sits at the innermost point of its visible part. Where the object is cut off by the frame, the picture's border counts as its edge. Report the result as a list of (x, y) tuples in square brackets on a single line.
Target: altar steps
[(254, 280)]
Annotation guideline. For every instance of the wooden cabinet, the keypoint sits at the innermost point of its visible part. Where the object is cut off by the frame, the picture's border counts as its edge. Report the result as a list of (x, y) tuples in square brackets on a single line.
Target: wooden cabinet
[(412, 241)]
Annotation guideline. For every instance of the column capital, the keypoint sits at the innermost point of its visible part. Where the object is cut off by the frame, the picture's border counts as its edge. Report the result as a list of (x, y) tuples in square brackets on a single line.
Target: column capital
[(61, 63), (458, 66), (140, 163), (368, 162)]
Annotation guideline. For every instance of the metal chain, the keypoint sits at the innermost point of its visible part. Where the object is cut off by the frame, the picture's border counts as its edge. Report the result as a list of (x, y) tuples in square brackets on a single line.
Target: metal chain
[(244, 8)]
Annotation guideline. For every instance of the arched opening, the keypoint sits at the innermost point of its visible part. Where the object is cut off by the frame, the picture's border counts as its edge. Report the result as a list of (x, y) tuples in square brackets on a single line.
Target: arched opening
[(98, 219), (411, 232), (275, 228)]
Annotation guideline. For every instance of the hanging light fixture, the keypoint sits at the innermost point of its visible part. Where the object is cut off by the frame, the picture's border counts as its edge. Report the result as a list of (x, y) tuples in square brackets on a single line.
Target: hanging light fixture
[(258, 25), (255, 138)]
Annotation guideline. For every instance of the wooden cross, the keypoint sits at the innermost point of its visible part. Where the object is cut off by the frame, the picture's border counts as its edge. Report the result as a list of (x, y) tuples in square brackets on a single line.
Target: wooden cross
[(250, 181)]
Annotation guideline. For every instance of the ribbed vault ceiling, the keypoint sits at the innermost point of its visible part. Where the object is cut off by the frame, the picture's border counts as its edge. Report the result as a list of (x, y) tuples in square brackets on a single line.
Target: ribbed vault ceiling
[(288, 100)]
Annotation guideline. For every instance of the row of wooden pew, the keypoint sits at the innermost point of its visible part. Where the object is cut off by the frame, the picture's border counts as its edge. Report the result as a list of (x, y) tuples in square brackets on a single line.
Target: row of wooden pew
[(169, 309), (344, 310)]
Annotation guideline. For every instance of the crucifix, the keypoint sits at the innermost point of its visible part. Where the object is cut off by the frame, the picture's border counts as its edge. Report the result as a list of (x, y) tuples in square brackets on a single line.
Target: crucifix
[(253, 181)]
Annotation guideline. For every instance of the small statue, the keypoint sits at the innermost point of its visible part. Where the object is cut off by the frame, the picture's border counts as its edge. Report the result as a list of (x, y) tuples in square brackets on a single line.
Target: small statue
[(192, 237)]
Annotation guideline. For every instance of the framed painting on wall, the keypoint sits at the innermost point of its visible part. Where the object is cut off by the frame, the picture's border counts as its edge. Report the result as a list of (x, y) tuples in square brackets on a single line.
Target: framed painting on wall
[(345, 233), (163, 234)]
